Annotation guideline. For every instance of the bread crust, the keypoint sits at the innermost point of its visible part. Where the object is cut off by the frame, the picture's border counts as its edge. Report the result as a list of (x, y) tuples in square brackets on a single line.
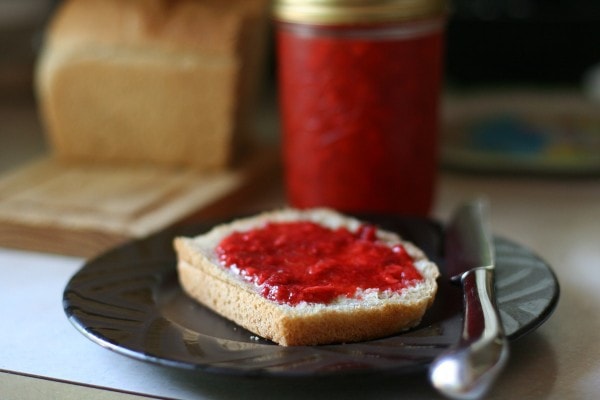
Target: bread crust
[(207, 26), (372, 316), (171, 82)]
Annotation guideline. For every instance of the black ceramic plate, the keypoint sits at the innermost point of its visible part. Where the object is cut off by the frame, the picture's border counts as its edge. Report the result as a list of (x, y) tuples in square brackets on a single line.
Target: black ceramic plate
[(129, 301)]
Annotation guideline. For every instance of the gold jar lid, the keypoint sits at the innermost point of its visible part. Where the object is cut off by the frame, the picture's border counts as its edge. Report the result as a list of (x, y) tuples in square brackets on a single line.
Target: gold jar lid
[(356, 11)]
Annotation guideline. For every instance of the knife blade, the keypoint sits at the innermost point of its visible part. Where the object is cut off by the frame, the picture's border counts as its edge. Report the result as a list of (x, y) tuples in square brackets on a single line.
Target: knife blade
[(468, 369)]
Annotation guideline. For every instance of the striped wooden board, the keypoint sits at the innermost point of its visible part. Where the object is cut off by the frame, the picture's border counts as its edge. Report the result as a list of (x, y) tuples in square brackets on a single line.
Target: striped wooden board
[(82, 210)]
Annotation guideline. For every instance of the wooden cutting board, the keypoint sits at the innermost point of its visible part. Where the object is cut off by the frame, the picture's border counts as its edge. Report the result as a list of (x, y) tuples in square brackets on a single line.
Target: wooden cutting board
[(82, 210)]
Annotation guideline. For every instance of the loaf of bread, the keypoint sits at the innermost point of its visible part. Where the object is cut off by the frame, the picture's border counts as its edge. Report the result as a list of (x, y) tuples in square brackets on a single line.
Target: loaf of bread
[(367, 314), (152, 81)]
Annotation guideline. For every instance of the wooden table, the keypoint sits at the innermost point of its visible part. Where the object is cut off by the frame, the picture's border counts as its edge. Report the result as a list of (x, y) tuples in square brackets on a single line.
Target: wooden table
[(41, 353)]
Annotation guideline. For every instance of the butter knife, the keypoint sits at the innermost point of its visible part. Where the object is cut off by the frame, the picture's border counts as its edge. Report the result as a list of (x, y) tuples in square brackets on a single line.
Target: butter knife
[(467, 370)]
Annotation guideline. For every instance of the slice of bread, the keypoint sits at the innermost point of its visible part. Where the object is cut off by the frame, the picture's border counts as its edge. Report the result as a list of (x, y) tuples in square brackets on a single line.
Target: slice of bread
[(369, 314)]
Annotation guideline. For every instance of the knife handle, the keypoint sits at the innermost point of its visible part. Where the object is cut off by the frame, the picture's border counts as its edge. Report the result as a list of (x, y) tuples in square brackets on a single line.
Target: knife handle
[(468, 370), (482, 322)]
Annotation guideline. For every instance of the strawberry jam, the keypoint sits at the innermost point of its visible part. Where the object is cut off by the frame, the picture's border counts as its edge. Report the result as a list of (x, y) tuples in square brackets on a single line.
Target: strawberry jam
[(295, 262), (359, 110)]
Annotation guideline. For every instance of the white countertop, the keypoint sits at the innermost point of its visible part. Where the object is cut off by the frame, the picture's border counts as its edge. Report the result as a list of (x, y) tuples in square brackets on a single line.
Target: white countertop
[(557, 219)]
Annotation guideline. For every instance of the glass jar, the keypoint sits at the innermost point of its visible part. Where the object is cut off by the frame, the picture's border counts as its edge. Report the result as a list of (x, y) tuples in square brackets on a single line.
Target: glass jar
[(359, 90)]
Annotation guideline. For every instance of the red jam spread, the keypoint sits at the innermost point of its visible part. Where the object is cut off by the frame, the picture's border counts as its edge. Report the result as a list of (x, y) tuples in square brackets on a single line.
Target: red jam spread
[(360, 118), (292, 262)]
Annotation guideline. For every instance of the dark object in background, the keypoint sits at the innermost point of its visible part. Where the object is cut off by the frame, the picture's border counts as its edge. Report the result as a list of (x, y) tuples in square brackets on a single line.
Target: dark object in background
[(522, 41), (20, 30)]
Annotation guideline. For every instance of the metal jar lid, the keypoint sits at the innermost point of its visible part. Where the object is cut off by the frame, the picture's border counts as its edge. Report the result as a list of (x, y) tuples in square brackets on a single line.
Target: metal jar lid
[(328, 12)]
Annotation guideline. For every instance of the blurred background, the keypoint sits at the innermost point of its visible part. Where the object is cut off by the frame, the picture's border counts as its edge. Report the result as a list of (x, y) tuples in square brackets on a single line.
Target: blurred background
[(544, 52), (523, 79), (21, 27), (523, 41), (489, 42)]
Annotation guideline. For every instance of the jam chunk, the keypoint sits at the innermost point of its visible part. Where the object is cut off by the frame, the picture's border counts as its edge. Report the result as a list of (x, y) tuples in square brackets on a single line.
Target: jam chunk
[(302, 261)]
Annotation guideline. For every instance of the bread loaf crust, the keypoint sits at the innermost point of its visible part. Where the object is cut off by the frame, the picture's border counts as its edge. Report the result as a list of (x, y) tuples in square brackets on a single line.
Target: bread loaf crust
[(372, 316), (170, 82), (208, 26)]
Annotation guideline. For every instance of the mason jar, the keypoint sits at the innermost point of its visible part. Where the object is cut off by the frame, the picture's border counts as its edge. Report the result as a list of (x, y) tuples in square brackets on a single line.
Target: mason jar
[(359, 93)]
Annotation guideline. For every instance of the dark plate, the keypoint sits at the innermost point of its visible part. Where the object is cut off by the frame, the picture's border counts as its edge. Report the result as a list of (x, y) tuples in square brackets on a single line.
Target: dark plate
[(129, 301)]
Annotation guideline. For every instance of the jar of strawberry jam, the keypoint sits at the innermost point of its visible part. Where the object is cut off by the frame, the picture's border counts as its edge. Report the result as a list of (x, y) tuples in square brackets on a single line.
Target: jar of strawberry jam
[(359, 89)]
